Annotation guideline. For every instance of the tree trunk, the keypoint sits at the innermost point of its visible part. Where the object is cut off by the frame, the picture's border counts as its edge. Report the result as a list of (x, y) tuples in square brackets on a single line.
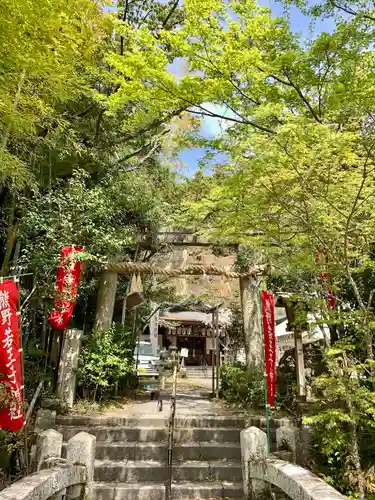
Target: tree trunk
[(106, 301), (11, 236), (251, 321), (8, 128), (333, 330), (370, 353), (353, 437), (356, 458)]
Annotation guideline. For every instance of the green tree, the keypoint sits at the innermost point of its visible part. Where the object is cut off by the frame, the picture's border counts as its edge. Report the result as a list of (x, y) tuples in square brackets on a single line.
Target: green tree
[(299, 139), (347, 411), (44, 62)]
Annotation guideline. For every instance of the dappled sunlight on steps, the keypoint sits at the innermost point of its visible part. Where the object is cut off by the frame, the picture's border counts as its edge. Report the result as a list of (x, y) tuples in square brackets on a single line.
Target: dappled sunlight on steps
[(131, 451)]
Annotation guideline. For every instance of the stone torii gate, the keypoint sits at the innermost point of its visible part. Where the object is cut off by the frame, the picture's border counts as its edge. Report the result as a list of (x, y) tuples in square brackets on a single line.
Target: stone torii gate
[(249, 283)]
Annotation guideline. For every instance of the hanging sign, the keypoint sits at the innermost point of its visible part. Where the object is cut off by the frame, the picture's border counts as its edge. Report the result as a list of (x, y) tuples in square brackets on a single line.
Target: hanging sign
[(184, 352), (268, 316), (12, 418), (68, 275)]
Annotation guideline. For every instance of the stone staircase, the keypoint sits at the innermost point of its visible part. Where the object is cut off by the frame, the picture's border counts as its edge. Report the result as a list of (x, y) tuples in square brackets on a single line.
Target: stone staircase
[(131, 456), (198, 372)]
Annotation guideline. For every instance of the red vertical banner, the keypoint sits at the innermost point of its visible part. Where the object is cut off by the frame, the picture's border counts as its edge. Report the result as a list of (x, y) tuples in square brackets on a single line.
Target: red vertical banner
[(331, 301), (320, 261), (11, 418), (268, 317), (68, 275)]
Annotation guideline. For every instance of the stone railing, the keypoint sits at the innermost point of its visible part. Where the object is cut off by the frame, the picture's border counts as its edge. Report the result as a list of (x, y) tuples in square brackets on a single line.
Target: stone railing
[(55, 476), (261, 471)]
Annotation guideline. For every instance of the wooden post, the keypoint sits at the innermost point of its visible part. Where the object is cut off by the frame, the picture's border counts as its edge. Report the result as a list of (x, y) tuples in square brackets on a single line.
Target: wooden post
[(123, 313), (296, 325), (300, 365)]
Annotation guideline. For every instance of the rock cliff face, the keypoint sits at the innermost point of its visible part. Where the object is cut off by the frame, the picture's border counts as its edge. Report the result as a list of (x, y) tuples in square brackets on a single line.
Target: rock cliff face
[(207, 287)]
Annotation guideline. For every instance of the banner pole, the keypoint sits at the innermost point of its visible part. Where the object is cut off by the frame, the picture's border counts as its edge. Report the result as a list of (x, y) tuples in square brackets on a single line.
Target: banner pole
[(22, 372), (268, 430), (213, 354)]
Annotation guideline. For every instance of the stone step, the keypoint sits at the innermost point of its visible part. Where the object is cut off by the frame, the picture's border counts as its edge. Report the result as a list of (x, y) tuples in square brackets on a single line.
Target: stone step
[(150, 470), (200, 371), (114, 434), (153, 421), (154, 491), (159, 451)]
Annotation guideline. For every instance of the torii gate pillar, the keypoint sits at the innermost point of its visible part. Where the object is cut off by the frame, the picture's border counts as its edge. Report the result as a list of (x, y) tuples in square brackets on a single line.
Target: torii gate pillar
[(251, 320)]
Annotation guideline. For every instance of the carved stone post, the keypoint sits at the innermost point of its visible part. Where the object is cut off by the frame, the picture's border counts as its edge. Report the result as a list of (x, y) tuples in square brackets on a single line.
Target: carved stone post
[(81, 451), (48, 453), (251, 321), (66, 383), (253, 445), (48, 445)]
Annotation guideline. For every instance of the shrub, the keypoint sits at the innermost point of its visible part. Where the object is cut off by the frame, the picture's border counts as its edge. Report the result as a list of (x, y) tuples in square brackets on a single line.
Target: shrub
[(344, 424), (106, 360), (286, 384), (242, 386)]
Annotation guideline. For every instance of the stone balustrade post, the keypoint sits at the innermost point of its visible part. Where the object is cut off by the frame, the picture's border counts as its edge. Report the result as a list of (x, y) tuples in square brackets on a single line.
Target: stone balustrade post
[(48, 451), (288, 439), (81, 451), (66, 383), (48, 445), (45, 419), (253, 447)]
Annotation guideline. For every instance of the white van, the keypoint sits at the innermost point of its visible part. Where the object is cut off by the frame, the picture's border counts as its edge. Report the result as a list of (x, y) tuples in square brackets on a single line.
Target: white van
[(146, 362)]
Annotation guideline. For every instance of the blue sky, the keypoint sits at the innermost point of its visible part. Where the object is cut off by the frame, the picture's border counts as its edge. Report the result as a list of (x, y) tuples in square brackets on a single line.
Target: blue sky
[(210, 126)]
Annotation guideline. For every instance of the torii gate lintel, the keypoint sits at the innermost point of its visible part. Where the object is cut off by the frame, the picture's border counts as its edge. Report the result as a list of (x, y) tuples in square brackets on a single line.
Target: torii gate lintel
[(129, 268)]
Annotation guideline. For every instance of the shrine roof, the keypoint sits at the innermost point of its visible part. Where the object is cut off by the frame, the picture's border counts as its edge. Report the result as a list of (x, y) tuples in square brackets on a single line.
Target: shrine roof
[(193, 317)]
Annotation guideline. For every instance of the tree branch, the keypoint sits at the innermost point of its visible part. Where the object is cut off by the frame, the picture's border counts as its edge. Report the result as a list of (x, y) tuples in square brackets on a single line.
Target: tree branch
[(371, 296), (150, 126), (98, 123), (125, 13), (205, 112), (303, 98), (170, 13), (351, 12), (154, 143), (348, 221), (86, 111)]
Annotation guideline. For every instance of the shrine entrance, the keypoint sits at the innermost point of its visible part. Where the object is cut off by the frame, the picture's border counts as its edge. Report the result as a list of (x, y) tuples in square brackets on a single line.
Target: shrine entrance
[(196, 348)]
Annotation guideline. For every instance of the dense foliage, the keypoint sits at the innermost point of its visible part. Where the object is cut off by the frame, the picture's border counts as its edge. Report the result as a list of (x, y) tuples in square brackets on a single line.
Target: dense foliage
[(106, 360), (297, 179), (81, 136), (344, 426), (91, 113), (242, 386)]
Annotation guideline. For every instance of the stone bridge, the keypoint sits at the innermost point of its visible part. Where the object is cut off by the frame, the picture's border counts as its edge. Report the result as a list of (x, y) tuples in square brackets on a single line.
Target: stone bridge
[(261, 472), (73, 477), (58, 478)]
